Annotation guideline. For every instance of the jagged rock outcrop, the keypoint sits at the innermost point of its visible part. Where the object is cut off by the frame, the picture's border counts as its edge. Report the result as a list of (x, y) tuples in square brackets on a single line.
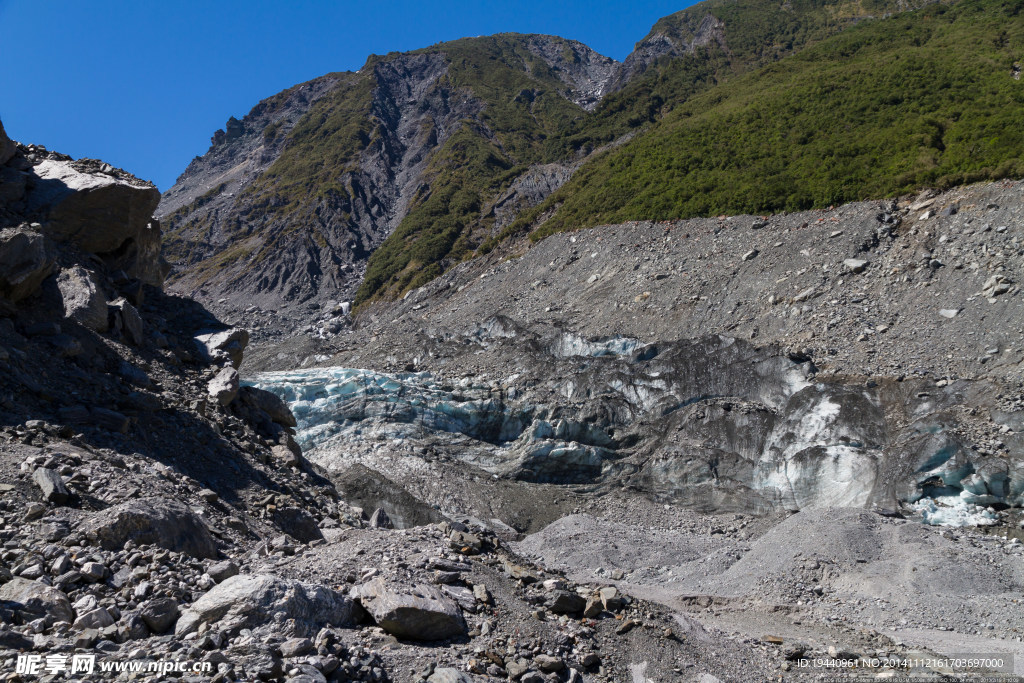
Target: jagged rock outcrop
[(673, 36), (7, 146)]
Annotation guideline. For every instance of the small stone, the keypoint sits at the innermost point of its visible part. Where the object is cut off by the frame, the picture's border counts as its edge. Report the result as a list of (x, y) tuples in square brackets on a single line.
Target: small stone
[(626, 626), (95, 619), (34, 511), (548, 663), (221, 571), (159, 614), (855, 265), (481, 594), (223, 388), (94, 571), (296, 647), (949, 312)]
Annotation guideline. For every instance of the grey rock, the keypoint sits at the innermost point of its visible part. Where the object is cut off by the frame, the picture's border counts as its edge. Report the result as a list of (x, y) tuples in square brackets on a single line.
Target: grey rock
[(296, 647), (566, 602), (418, 612), (269, 403), (298, 523), (94, 571), (245, 601), (83, 298), (123, 318), (548, 663), (7, 146), (223, 388), (52, 486), (34, 600), (159, 614), (223, 345), (25, 261), (610, 598), (94, 619), (158, 521), (134, 628), (855, 265), (449, 675), (86, 639), (222, 571), (98, 213)]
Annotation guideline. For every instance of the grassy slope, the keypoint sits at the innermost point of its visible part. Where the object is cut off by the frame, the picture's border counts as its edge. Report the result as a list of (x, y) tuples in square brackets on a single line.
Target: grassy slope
[(919, 99), (522, 109)]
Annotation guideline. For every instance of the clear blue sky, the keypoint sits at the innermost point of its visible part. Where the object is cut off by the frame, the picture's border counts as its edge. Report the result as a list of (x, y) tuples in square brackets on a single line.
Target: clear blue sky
[(143, 84)]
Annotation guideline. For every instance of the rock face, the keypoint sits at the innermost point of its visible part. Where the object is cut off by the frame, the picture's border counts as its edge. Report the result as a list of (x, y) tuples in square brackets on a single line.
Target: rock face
[(35, 600), (84, 301), (98, 213), (7, 146), (247, 601), (25, 262), (418, 612), (160, 521), (673, 36)]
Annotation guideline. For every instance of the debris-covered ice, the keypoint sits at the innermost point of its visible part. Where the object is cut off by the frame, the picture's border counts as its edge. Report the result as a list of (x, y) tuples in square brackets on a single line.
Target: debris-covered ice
[(953, 511)]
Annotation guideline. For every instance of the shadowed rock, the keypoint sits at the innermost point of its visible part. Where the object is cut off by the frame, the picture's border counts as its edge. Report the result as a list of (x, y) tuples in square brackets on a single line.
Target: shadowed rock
[(156, 521)]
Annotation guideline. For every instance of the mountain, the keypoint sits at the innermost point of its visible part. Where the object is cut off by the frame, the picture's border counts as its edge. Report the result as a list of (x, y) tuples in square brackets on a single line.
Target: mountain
[(862, 114), (290, 201), (366, 185)]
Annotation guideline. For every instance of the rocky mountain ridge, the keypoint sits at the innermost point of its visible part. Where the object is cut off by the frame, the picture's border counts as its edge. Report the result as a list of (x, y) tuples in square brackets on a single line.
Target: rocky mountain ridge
[(412, 109)]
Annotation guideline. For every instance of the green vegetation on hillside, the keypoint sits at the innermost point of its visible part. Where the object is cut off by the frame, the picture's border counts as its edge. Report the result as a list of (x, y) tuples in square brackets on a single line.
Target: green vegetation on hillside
[(522, 108), (531, 126), (924, 98)]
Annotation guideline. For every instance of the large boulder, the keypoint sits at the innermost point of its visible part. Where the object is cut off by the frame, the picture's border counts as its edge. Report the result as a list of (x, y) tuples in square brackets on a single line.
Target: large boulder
[(225, 345), (417, 612), (25, 262), (269, 403), (248, 601), (157, 521), (224, 386), (7, 146), (99, 213), (34, 600), (84, 301)]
